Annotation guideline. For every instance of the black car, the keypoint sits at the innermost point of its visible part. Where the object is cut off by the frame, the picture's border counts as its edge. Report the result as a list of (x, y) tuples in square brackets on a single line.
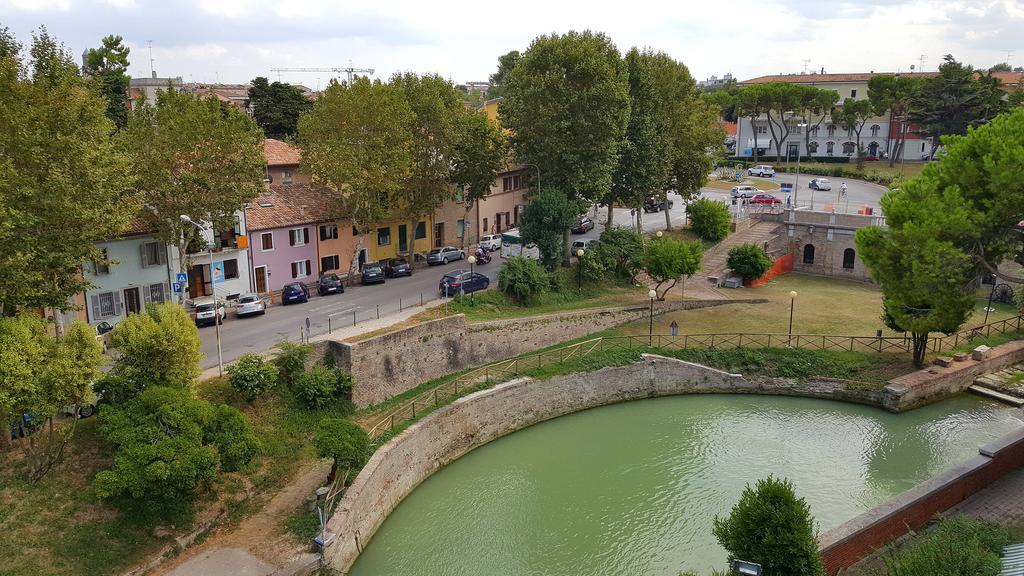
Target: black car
[(583, 225), (462, 281), (373, 273), (653, 204), (296, 292), (395, 267), (330, 284)]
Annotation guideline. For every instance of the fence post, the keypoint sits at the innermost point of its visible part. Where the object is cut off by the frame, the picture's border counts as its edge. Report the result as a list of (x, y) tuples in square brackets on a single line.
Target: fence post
[(413, 408), (353, 317), (455, 384), (328, 324), (487, 374), (378, 311), (392, 421), (399, 304), (769, 339), (421, 298), (712, 341), (435, 396), (740, 345)]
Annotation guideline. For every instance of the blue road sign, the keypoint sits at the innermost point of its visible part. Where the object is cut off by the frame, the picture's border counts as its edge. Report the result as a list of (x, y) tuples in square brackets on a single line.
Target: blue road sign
[(176, 287), (181, 278)]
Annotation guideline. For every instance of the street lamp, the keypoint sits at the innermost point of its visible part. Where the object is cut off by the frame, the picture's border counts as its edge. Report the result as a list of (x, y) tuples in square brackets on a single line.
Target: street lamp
[(579, 269), (213, 288), (659, 233), (471, 260), (321, 500), (652, 294), (792, 304)]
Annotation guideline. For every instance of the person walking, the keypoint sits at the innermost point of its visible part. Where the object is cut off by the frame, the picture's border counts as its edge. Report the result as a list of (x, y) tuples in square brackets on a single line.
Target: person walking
[(842, 189)]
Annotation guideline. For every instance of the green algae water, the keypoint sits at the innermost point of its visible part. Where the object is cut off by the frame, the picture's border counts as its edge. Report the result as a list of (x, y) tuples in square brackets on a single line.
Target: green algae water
[(631, 489)]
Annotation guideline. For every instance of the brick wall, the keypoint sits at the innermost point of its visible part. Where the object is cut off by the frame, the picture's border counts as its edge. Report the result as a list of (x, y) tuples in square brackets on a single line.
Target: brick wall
[(846, 544)]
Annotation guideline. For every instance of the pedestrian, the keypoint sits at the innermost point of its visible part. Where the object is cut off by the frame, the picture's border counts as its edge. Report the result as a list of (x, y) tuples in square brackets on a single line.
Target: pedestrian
[(789, 200), (842, 189)]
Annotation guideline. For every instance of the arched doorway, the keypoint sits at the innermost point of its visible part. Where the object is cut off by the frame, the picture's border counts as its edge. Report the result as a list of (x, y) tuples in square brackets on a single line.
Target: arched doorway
[(848, 258), (809, 254)]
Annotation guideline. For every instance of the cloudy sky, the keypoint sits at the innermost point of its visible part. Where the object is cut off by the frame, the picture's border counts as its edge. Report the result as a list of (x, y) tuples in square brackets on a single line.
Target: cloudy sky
[(236, 40)]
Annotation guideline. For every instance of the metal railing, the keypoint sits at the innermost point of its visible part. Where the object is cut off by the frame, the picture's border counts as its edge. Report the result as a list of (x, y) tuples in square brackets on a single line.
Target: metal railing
[(506, 370)]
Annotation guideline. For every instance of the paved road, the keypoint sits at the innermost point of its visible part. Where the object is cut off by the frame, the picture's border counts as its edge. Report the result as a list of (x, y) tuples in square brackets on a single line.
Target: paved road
[(858, 194), (257, 334)]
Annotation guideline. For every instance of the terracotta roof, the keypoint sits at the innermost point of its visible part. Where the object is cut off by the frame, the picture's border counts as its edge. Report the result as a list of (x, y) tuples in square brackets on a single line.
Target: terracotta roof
[(1007, 78), (1010, 79), (289, 205), (278, 153), (729, 127), (137, 226)]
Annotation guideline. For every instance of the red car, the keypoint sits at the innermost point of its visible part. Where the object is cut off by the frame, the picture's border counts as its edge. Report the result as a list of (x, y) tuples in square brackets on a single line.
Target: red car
[(765, 199)]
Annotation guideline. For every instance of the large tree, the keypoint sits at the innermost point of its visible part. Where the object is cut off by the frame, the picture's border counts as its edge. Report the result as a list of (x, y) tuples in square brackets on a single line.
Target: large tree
[(892, 93), (196, 157), (356, 142), (697, 146), (752, 103), (478, 156), (851, 117), (64, 185), (781, 99), (277, 106), (957, 98), (506, 62), (566, 103), (815, 105), (107, 67), (542, 222)]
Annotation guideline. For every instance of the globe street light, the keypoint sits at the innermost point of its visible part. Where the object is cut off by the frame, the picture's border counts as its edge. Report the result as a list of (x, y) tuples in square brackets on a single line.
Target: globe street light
[(471, 260), (659, 234), (579, 269), (213, 288), (652, 294), (792, 304)]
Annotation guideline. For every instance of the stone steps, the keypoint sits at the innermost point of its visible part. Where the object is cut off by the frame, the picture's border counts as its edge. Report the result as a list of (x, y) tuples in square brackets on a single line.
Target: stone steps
[(998, 396)]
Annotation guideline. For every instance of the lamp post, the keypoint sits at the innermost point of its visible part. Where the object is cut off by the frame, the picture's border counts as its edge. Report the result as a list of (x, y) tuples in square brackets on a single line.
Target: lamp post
[(321, 500), (579, 270), (652, 294), (792, 304), (471, 260), (213, 287), (991, 293)]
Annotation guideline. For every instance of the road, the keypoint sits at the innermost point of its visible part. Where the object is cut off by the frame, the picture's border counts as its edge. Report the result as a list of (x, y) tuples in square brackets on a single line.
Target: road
[(361, 303)]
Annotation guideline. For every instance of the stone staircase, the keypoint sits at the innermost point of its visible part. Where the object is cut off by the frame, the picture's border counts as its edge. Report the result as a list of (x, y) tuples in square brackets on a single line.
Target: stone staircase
[(1006, 385)]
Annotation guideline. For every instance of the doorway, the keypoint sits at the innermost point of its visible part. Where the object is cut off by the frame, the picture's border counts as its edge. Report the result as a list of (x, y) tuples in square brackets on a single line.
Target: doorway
[(132, 301), (260, 273), (362, 257), (197, 281), (793, 151), (438, 234), (403, 238)]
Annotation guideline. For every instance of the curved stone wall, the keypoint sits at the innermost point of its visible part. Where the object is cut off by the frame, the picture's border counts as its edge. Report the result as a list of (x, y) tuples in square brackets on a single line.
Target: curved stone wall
[(450, 432)]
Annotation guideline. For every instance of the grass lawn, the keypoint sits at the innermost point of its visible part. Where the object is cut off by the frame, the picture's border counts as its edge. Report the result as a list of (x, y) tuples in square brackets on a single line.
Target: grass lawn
[(823, 306), (908, 169)]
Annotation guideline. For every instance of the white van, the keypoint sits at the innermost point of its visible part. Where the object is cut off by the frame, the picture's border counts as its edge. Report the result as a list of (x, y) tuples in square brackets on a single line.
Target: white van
[(512, 245)]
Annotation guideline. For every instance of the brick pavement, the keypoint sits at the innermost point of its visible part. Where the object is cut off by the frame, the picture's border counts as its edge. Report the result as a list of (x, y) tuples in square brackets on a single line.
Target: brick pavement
[(1002, 501)]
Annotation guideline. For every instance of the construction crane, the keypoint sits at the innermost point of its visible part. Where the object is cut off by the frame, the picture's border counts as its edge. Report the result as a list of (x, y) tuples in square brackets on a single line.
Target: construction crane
[(348, 70)]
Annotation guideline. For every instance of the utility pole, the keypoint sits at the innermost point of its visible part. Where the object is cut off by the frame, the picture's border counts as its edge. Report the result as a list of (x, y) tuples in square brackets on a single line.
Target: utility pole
[(922, 59), (152, 72)]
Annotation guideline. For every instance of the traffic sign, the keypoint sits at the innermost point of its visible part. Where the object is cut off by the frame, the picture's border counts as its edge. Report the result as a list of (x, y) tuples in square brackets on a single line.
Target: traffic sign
[(181, 278), (786, 187), (176, 286)]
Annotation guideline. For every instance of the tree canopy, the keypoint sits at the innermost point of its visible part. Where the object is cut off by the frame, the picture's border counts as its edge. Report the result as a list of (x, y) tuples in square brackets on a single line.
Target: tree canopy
[(276, 106), (506, 62), (107, 67), (668, 260), (892, 93), (543, 221)]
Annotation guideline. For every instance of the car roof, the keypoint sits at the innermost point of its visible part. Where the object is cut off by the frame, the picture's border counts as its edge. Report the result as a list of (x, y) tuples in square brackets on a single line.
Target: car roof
[(202, 300), (293, 285), (458, 272)]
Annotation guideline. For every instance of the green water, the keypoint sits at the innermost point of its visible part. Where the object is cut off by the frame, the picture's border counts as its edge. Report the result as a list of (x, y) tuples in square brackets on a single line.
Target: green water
[(631, 489)]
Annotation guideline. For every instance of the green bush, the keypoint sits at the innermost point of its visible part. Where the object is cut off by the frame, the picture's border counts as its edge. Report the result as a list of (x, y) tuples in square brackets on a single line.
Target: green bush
[(522, 279), (958, 546), (344, 442), (710, 219), (160, 347), (593, 267), (772, 527), (620, 250), (320, 386), (113, 388), (749, 261), (251, 376), (291, 361), (234, 438)]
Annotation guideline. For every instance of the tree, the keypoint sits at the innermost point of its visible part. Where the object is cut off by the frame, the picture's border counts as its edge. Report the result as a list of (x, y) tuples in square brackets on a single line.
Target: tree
[(252, 376), (620, 250), (64, 185), (277, 106), (696, 148), (851, 117), (749, 261), (107, 67), (159, 347), (1001, 67), (1016, 98), (710, 219), (957, 98), (566, 103), (522, 279), (478, 156), (39, 375), (668, 260), (344, 442), (725, 97), (751, 103), (815, 103), (781, 99), (772, 527), (356, 141), (193, 157), (543, 221), (892, 93), (506, 62)]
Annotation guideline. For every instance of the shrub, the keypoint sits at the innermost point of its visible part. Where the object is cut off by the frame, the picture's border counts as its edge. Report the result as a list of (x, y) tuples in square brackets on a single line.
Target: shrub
[(771, 526), (113, 388), (749, 261), (344, 442), (545, 221), (251, 376), (667, 260), (320, 386), (160, 347), (235, 440), (958, 546), (620, 250), (710, 219), (291, 361), (522, 279), (593, 267)]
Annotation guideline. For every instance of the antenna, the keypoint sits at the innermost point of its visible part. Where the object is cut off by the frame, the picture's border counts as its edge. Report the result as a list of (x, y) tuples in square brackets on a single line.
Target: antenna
[(152, 72), (806, 61), (1009, 55), (922, 59)]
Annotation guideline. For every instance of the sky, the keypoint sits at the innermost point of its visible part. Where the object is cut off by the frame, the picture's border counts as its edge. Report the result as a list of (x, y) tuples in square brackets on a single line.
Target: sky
[(237, 40)]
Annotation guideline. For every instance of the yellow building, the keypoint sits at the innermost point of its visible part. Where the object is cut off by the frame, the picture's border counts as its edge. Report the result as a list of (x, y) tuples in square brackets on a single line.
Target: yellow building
[(392, 239)]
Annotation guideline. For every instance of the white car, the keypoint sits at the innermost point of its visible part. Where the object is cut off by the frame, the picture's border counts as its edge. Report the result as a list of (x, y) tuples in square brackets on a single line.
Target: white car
[(208, 311), (744, 191), (249, 304), (491, 242), (819, 184), (584, 245), (762, 170)]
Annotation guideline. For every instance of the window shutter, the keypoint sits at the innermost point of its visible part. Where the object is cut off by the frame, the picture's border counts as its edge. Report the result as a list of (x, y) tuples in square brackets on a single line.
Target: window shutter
[(146, 296), (291, 237), (161, 254), (118, 306), (94, 303), (295, 270), (309, 269), (142, 254), (305, 235)]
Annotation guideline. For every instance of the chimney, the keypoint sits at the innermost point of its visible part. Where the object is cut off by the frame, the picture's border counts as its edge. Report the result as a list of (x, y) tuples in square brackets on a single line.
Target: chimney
[(822, 69), (302, 209)]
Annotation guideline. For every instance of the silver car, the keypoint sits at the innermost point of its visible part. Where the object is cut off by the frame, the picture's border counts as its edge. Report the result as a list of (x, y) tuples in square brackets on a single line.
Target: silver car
[(444, 255), (250, 304), (819, 184)]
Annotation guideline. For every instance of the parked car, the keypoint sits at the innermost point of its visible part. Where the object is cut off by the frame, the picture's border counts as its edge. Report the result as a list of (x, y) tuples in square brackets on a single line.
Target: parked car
[(330, 283), (765, 199), (373, 273), (583, 225), (293, 293), (763, 170), (462, 282), (744, 192), (585, 245), (444, 255), (207, 311), (249, 304), (395, 267), (819, 184), (653, 204), (491, 242)]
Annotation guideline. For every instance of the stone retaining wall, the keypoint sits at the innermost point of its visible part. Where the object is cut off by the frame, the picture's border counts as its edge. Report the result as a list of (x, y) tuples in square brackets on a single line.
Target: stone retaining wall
[(392, 363), (450, 432), (934, 383)]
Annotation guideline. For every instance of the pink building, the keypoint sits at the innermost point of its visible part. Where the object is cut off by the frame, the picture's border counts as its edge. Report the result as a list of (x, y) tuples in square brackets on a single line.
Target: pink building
[(284, 224)]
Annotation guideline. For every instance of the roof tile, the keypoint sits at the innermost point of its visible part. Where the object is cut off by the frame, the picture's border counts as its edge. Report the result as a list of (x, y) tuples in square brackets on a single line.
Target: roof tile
[(278, 153), (289, 205)]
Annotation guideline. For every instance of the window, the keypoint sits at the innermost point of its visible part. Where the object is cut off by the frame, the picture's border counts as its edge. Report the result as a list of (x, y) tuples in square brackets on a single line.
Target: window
[(298, 236), (809, 254), (486, 229), (853, 93), (812, 148), (421, 231), (230, 269), (848, 257), (300, 269), (286, 176), (874, 130), (384, 236), (157, 293), (328, 232), (460, 228), (267, 241), (460, 195), (355, 232), (922, 146), (830, 147), (762, 129), (831, 129), (106, 308), (101, 265), (153, 254), (814, 131), (848, 147), (329, 263), (513, 182)]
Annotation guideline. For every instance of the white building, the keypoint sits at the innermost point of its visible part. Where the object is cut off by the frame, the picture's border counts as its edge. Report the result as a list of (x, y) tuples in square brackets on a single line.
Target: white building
[(230, 256)]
